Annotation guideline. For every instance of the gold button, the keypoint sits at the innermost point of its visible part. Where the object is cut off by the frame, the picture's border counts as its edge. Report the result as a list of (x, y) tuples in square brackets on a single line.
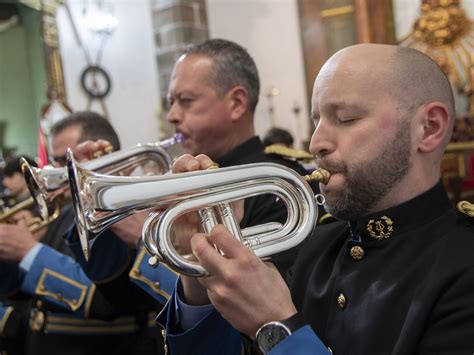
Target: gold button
[(153, 261), (39, 304), (357, 253), (37, 320), (341, 300)]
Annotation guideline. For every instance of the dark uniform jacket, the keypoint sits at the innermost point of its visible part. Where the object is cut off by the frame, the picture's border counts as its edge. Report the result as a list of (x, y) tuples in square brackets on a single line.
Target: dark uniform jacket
[(396, 282), (411, 291)]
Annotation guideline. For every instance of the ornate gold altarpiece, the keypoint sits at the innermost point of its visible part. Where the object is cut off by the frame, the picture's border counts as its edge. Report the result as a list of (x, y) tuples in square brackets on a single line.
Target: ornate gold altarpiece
[(444, 32)]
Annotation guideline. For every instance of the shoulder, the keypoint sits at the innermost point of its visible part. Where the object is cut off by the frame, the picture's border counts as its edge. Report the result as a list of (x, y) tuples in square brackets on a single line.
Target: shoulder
[(454, 247)]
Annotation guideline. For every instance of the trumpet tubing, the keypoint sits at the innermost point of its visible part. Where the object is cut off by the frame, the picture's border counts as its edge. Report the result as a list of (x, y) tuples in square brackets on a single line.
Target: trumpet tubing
[(45, 184), (101, 200), (36, 223)]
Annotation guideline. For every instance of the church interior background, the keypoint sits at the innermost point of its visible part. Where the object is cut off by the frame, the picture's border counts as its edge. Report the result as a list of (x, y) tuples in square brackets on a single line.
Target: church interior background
[(116, 57)]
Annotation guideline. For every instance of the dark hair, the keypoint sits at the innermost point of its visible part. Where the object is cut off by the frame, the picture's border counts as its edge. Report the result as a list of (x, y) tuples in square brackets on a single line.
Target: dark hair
[(13, 165), (277, 135), (232, 66), (93, 125)]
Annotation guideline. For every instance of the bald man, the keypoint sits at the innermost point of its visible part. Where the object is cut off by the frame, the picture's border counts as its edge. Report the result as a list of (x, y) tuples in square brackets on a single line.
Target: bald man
[(396, 275)]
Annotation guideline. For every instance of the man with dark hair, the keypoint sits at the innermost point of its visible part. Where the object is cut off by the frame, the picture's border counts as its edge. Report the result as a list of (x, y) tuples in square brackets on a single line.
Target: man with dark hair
[(77, 128), (278, 136), (396, 275), (14, 181)]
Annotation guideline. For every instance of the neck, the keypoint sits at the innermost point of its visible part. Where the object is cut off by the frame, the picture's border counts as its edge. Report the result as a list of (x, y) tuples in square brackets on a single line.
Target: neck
[(242, 130), (416, 182)]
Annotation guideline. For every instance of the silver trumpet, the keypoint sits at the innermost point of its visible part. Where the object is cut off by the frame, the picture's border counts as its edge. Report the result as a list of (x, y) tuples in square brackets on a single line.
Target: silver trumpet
[(101, 200), (45, 184)]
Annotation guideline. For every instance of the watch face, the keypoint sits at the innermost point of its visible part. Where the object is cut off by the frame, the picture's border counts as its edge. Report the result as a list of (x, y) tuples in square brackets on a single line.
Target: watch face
[(270, 335)]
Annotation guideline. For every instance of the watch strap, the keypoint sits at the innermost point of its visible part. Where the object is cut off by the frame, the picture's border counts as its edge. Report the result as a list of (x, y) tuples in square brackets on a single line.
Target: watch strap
[(294, 322)]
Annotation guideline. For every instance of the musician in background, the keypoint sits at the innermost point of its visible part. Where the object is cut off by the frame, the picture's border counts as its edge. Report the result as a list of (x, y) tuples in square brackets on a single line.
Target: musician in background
[(63, 298), (277, 135), (14, 182), (396, 275)]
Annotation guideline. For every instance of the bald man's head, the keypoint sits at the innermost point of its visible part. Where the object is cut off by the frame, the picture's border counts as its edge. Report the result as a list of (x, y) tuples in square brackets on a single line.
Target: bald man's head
[(407, 75), (418, 80)]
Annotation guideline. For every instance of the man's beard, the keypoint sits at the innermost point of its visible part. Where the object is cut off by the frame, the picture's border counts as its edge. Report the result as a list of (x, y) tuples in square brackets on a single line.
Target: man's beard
[(367, 182)]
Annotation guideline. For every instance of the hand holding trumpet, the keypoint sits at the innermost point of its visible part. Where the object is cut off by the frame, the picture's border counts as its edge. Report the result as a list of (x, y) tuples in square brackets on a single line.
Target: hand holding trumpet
[(16, 240), (89, 150), (233, 270)]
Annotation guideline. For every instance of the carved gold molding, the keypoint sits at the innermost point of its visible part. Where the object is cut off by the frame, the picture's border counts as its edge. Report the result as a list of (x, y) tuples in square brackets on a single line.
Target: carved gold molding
[(50, 38)]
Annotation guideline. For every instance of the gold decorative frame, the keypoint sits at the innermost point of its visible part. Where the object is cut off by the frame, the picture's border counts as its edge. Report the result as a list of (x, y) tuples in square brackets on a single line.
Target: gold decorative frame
[(50, 39)]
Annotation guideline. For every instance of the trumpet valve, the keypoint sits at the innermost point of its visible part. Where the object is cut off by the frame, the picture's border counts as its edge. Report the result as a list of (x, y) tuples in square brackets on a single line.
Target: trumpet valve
[(319, 175)]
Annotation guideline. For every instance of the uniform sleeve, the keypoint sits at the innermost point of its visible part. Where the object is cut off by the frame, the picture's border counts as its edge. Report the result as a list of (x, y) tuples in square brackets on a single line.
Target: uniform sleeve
[(110, 268), (57, 279), (158, 281), (212, 335), (110, 257), (302, 342)]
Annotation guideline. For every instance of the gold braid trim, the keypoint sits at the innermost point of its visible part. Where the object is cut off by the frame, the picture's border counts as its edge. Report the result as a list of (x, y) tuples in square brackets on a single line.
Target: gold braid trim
[(287, 152), (466, 207)]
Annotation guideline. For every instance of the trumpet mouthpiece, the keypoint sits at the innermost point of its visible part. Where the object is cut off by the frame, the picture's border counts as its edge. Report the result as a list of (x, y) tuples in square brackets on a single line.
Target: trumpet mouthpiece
[(319, 175), (176, 139)]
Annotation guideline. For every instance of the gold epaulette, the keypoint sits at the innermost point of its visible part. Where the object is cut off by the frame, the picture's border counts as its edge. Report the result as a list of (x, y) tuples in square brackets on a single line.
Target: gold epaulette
[(466, 207), (288, 152)]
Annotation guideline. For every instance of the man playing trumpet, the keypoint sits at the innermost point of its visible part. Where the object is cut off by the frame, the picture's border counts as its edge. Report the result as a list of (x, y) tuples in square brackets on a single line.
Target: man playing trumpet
[(395, 275)]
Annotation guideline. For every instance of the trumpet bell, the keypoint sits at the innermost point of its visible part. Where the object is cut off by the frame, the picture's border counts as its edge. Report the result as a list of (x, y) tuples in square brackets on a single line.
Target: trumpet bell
[(102, 200), (47, 183), (40, 182)]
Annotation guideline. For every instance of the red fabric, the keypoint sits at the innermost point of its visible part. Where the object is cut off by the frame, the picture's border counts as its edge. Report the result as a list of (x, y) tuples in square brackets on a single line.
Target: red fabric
[(42, 149), (468, 184)]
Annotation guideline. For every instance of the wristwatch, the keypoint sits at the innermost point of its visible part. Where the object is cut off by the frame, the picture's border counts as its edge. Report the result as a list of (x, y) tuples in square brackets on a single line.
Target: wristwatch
[(272, 333)]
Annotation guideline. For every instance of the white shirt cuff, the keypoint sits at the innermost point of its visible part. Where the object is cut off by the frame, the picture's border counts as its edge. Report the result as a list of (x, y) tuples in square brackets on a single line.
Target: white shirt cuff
[(30, 257)]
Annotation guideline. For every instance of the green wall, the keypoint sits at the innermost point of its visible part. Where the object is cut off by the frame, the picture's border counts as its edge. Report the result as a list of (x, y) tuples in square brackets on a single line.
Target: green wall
[(23, 82)]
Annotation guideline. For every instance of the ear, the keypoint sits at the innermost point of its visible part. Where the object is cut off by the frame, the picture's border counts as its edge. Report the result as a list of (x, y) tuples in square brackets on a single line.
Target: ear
[(434, 125), (238, 102)]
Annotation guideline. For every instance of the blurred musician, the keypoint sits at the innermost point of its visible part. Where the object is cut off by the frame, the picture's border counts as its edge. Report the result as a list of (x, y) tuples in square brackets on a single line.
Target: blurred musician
[(65, 308)]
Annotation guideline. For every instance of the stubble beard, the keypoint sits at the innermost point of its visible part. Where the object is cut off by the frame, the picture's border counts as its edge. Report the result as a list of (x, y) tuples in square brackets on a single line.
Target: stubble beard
[(367, 182)]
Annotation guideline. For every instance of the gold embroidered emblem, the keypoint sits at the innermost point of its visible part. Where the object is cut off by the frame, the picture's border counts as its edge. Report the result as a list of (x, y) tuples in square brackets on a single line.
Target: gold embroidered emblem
[(381, 229), (466, 207)]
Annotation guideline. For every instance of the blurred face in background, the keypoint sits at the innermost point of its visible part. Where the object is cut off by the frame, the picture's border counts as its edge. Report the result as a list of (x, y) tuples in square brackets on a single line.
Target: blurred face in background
[(67, 138), (15, 184)]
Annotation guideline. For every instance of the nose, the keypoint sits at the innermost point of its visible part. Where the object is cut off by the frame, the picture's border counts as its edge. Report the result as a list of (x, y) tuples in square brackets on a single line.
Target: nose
[(174, 115), (323, 141)]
